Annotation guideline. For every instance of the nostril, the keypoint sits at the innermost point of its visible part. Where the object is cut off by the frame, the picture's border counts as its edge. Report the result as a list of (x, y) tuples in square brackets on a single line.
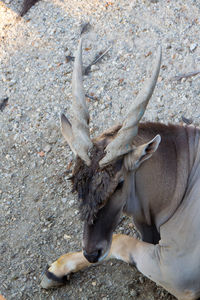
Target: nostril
[(99, 252), (92, 257)]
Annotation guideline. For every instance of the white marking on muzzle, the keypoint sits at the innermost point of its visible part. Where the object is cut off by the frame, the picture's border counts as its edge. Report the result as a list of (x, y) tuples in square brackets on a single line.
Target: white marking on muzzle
[(104, 256)]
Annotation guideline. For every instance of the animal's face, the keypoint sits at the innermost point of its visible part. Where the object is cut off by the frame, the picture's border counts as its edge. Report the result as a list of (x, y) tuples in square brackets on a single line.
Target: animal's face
[(97, 236), (100, 202)]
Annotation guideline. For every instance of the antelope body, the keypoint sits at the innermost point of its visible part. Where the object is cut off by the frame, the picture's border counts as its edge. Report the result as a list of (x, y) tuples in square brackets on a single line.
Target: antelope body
[(150, 171)]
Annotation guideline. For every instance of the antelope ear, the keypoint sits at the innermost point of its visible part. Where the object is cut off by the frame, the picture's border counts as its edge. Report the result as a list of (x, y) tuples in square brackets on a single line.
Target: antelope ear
[(66, 129), (141, 153)]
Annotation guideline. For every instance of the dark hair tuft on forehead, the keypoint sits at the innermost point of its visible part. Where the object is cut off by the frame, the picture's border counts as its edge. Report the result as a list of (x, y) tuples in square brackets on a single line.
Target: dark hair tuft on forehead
[(94, 185)]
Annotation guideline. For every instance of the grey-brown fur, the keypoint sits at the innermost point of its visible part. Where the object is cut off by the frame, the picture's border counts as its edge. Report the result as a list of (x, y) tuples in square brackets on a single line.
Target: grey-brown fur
[(93, 184)]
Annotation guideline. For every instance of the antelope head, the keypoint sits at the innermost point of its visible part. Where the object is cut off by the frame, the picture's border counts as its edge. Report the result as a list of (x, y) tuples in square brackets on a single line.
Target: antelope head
[(98, 175)]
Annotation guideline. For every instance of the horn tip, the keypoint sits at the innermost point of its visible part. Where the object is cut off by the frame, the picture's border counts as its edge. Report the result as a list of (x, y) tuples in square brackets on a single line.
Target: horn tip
[(159, 50)]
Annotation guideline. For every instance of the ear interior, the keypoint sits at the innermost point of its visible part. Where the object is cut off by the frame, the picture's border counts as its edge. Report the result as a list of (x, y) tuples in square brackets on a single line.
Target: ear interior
[(150, 147), (141, 153)]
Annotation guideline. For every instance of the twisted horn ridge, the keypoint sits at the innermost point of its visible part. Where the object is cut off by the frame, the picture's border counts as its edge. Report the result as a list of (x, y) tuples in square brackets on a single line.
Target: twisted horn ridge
[(76, 133), (122, 144), (80, 121)]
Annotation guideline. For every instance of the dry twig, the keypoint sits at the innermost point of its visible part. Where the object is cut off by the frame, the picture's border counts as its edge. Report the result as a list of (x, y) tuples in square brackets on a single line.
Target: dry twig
[(185, 75)]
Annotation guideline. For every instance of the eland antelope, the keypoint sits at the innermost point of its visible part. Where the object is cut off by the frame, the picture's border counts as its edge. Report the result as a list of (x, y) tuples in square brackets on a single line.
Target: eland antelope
[(149, 171)]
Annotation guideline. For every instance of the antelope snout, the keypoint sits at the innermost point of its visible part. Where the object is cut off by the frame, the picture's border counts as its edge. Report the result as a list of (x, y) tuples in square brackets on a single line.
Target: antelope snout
[(94, 256)]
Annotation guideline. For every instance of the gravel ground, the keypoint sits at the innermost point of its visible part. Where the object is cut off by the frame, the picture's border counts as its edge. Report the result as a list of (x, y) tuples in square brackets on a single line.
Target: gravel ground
[(38, 213)]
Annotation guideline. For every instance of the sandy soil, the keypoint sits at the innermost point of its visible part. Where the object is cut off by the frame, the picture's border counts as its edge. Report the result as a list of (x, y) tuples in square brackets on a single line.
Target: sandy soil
[(39, 215)]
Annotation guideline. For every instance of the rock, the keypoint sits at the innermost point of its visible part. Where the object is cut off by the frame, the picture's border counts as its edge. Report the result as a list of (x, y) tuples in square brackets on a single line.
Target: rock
[(64, 200), (193, 47), (68, 53), (141, 279), (47, 148), (133, 293), (67, 237), (94, 68)]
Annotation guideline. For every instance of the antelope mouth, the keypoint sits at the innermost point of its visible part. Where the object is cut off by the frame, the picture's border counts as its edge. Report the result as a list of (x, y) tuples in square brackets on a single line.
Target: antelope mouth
[(96, 256)]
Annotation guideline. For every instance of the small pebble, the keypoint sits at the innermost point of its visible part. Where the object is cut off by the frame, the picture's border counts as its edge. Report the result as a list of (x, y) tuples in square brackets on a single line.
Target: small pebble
[(193, 47), (64, 200), (47, 148), (133, 293), (94, 68), (67, 237)]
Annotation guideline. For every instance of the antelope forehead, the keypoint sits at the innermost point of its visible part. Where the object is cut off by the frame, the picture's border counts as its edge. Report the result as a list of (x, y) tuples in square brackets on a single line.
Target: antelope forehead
[(101, 187), (94, 185), (90, 207)]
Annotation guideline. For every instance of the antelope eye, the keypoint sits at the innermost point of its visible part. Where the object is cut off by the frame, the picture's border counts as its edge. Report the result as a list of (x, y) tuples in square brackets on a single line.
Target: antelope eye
[(120, 184)]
